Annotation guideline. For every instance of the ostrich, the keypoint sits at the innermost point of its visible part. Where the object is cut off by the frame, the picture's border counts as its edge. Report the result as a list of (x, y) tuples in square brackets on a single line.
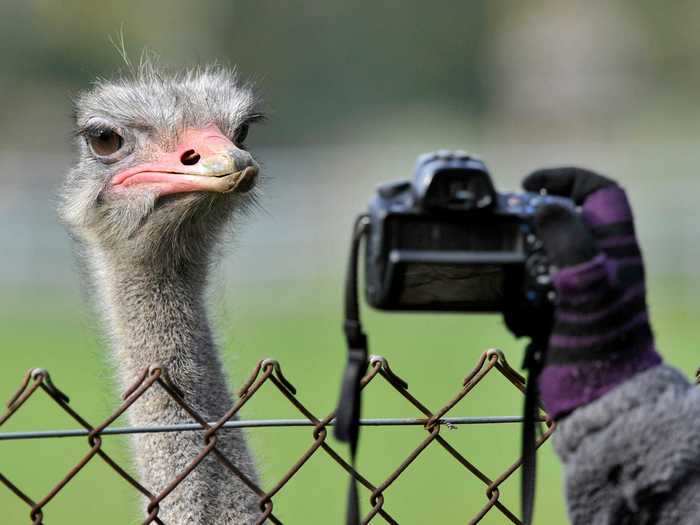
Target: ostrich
[(162, 169)]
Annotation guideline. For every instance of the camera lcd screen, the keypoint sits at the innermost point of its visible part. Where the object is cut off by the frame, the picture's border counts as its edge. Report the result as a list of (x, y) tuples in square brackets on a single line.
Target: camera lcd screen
[(478, 287), (479, 233), (440, 264)]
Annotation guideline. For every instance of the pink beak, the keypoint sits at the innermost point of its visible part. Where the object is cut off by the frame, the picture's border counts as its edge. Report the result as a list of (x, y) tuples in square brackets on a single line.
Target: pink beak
[(205, 160)]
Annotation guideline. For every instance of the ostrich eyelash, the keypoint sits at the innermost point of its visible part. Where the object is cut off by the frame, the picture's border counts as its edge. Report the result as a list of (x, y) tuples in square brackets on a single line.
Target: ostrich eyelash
[(255, 117), (252, 119), (90, 130)]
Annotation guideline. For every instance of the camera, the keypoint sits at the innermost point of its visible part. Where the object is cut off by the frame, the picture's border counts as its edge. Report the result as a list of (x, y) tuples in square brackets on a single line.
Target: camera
[(448, 241)]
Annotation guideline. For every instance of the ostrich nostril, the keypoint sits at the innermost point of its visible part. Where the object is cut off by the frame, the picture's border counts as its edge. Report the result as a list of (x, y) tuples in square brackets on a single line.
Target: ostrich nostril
[(190, 157)]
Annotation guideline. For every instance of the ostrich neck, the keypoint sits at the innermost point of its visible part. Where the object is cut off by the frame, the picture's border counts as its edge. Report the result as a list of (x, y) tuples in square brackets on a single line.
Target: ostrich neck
[(158, 316)]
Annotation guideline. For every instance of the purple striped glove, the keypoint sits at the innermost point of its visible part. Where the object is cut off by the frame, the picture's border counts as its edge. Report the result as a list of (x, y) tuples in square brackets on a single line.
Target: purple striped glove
[(601, 334)]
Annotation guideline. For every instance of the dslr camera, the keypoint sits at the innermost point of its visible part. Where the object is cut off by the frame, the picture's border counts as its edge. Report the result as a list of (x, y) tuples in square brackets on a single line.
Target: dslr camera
[(448, 241)]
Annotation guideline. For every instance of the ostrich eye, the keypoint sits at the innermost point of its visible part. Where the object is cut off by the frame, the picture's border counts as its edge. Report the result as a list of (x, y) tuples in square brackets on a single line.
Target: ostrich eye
[(241, 134), (105, 142)]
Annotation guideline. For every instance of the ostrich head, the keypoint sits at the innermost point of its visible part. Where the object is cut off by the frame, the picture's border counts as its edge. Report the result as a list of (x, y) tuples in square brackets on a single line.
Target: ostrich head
[(162, 163)]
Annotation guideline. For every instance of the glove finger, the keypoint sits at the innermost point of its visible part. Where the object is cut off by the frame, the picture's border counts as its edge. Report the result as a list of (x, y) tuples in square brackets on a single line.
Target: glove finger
[(566, 237), (569, 181), (610, 217)]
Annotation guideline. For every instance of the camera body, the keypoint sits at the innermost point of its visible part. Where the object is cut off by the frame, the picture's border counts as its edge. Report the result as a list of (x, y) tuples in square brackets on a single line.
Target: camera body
[(448, 241)]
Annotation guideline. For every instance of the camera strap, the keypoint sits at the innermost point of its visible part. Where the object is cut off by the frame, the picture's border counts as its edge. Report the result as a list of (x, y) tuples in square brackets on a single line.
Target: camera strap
[(533, 363), (347, 418)]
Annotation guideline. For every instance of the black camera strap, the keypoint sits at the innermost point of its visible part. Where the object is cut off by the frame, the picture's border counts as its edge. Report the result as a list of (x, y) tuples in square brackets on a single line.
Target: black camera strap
[(347, 418), (533, 363)]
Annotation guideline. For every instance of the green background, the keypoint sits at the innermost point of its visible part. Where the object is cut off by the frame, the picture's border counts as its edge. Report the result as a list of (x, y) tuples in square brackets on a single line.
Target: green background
[(354, 92), (432, 353)]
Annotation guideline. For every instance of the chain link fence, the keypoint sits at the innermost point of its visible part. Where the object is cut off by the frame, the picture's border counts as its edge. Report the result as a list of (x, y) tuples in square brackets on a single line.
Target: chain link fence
[(270, 371)]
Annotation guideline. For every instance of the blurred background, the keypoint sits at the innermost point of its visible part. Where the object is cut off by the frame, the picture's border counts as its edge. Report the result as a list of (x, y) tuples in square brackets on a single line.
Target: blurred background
[(354, 92)]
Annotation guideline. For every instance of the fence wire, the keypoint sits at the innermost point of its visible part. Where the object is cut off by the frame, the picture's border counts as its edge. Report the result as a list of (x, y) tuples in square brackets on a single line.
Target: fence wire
[(270, 371)]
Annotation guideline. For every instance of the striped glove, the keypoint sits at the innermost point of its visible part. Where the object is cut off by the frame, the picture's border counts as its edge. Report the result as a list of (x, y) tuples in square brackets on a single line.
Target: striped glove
[(601, 334)]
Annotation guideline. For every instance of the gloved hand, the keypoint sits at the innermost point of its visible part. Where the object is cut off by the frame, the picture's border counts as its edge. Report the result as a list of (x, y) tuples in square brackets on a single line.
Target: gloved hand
[(601, 334)]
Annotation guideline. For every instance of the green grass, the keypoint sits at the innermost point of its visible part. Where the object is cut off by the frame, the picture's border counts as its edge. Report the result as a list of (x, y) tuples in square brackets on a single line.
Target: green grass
[(299, 326)]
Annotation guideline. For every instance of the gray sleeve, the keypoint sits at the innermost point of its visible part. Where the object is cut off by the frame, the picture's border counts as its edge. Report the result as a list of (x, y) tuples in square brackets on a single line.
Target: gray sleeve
[(633, 456)]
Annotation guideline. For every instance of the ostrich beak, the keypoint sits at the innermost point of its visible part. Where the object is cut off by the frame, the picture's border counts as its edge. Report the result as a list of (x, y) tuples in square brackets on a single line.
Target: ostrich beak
[(204, 161)]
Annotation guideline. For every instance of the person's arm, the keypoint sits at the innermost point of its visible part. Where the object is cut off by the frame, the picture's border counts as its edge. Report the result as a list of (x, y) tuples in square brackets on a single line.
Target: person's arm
[(627, 430)]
